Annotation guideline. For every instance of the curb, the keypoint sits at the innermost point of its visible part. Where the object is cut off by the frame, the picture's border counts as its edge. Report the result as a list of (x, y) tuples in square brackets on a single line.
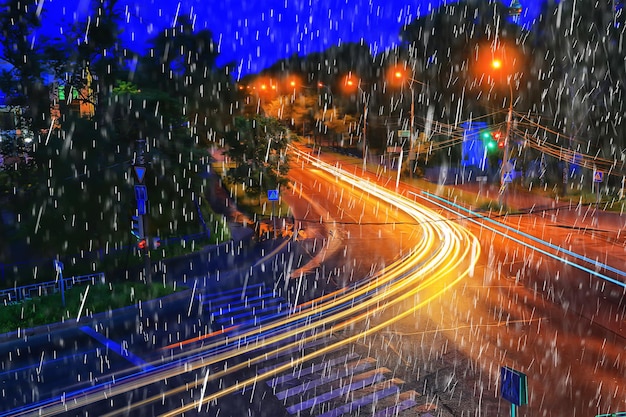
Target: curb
[(24, 334)]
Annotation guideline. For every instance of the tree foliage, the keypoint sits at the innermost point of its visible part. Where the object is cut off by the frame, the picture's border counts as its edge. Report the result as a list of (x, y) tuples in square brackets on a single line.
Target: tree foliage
[(23, 81), (449, 51), (81, 197), (579, 76), (258, 147)]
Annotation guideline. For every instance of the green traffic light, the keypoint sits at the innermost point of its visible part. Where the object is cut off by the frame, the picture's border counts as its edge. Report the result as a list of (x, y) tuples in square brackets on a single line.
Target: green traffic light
[(488, 140)]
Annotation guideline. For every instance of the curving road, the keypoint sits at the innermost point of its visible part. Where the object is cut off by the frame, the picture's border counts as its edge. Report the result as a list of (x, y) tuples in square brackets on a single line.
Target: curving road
[(377, 259), (547, 298), (441, 296)]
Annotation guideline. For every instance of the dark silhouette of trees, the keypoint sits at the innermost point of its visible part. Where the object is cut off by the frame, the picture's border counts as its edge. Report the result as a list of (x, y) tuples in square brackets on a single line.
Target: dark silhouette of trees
[(81, 198), (578, 85), (258, 147)]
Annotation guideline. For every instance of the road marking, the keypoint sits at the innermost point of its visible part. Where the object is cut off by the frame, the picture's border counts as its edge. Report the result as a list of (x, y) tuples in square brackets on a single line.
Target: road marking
[(335, 375), (362, 402), (375, 377)]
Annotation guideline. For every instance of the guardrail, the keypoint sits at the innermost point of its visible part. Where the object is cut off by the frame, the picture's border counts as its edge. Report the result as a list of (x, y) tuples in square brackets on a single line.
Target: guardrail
[(27, 292)]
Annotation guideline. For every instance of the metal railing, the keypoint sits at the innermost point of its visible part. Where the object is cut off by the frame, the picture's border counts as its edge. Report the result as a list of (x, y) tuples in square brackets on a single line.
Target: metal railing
[(27, 292)]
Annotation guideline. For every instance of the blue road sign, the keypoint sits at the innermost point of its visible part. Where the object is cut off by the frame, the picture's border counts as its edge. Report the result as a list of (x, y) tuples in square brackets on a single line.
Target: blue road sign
[(508, 178), (141, 207), (141, 193), (513, 386), (598, 176), (140, 173), (272, 195)]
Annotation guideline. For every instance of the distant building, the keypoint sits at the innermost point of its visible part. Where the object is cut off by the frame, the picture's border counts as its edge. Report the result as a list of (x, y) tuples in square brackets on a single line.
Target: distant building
[(81, 101), (474, 154)]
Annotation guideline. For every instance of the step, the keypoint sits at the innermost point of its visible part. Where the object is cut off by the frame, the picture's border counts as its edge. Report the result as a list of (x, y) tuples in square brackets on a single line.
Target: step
[(260, 310), (300, 349), (224, 306), (237, 307), (258, 316), (231, 294)]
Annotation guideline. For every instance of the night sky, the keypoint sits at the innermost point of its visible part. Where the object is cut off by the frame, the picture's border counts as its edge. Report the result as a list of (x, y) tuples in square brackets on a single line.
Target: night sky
[(256, 33)]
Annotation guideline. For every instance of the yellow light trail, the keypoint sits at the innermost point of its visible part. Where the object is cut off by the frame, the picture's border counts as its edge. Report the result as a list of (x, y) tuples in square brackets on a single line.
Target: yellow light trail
[(446, 254)]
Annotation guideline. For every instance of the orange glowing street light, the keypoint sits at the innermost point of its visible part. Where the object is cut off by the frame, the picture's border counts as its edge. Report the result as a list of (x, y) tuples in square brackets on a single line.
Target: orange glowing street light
[(291, 83), (350, 83)]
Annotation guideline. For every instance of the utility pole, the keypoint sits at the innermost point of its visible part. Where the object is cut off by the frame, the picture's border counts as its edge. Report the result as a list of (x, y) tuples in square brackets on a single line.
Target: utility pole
[(140, 223), (505, 172), (365, 109), (412, 156)]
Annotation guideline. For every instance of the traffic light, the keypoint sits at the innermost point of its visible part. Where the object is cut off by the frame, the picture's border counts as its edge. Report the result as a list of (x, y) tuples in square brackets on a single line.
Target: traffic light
[(137, 227), (488, 141), (498, 137), (142, 244), (156, 243)]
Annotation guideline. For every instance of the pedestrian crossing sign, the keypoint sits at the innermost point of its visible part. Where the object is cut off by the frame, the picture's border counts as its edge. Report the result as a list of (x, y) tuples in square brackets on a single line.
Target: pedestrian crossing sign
[(272, 195), (598, 176), (508, 178)]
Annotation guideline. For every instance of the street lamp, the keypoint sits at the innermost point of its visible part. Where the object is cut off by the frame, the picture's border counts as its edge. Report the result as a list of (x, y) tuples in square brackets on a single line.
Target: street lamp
[(400, 75), (350, 83)]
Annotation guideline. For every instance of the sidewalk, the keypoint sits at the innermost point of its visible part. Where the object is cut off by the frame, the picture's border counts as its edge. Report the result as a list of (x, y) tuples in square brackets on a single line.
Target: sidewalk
[(561, 211)]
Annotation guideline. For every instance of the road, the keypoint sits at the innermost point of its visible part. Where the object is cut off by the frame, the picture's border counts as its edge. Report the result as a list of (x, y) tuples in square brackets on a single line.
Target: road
[(430, 325), (541, 301), (221, 354)]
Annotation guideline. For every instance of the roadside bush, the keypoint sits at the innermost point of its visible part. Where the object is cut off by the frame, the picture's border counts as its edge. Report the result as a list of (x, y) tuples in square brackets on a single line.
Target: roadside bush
[(100, 298)]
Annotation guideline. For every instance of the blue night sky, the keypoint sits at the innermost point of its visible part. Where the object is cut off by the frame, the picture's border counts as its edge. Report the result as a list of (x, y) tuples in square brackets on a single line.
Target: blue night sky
[(256, 33)]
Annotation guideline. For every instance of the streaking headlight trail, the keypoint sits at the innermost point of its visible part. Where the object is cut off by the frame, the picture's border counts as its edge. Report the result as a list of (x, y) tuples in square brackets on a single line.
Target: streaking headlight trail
[(445, 255)]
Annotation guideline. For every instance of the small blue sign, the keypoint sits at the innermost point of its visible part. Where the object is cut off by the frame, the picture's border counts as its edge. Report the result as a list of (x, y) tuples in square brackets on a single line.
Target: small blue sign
[(513, 386), (58, 265), (272, 195), (141, 207), (598, 176), (141, 193), (508, 178), (140, 173)]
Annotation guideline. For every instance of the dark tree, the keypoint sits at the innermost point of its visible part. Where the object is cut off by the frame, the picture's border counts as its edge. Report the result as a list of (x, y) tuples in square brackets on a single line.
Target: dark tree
[(445, 49), (579, 73), (258, 147), (183, 63)]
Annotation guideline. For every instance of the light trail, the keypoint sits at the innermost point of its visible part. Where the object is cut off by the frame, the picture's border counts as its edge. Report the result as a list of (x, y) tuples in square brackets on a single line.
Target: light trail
[(446, 254), (431, 197)]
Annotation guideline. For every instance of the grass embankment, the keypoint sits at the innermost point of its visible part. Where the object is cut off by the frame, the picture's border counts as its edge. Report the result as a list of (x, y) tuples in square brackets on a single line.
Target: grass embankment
[(115, 259), (99, 298)]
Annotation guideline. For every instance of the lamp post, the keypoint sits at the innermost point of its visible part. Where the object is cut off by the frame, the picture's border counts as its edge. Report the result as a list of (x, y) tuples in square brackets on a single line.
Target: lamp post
[(505, 176), (400, 75), (350, 83)]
